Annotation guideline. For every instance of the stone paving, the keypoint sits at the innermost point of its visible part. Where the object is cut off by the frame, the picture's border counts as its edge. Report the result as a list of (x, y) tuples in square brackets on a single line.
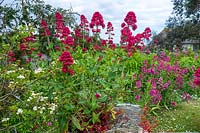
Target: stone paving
[(127, 120)]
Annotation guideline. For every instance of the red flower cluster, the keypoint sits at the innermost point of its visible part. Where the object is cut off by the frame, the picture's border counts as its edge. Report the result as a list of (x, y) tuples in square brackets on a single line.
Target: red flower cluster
[(130, 20), (197, 77), (84, 23), (22, 47), (11, 56), (110, 33), (147, 33), (63, 31), (59, 22), (132, 42), (30, 38), (46, 28), (67, 61), (125, 34), (96, 21)]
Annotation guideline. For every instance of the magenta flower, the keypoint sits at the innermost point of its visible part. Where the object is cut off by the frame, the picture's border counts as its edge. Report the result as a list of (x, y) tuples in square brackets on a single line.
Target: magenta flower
[(173, 103), (197, 73), (186, 96), (97, 95), (138, 84), (137, 97), (49, 124)]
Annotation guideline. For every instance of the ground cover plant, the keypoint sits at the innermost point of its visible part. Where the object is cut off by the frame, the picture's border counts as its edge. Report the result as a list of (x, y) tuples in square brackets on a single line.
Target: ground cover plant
[(185, 117), (65, 79)]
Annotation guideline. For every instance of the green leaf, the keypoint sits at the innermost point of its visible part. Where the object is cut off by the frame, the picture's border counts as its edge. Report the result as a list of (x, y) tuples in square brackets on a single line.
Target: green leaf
[(95, 117), (69, 107), (111, 75), (86, 111), (94, 104), (76, 123), (103, 98)]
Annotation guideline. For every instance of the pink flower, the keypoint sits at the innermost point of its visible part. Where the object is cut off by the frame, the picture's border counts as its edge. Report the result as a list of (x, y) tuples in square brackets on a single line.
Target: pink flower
[(67, 61), (97, 95), (186, 96), (96, 21), (45, 28), (122, 25), (103, 42), (197, 81), (22, 47), (173, 103), (130, 18), (138, 84), (84, 49), (49, 123), (112, 46), (65, 31), (137, 97), (197, 73)]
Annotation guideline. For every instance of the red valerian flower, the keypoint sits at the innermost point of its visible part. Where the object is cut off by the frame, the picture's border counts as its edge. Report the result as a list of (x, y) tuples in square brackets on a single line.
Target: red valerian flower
[(103, 42), (197, 73), (45, 28), (66, 58), (40, 55), (123, 25), (197, 81), (147, 33), (197, 77), (84, 25), (30, 38), (186, 96), (112, 46), (77, 33), (59, 22), (10, 56), (69, 40), (138, 84), (97, 95), (110, 33), (173, 103), (65, 31), (67, 61), (97, 21), (22, 47), (84, 49), (137, 97), (130, 18), (96, 47)]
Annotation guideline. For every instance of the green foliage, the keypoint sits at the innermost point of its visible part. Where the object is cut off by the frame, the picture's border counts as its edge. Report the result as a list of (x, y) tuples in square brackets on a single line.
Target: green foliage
[(29, 12)]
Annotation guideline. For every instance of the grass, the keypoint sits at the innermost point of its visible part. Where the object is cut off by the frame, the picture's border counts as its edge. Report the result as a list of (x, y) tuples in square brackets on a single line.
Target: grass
[(184, 118)]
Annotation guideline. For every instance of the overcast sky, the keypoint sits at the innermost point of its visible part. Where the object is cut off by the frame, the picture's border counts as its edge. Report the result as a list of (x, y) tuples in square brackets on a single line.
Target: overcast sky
[(149, 13)]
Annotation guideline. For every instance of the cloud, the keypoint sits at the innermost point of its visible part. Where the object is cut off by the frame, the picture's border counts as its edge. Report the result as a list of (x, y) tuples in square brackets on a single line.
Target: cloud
[(151, 14)]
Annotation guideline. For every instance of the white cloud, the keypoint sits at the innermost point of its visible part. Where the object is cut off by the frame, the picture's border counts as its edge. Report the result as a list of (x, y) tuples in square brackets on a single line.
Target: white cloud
[(149, 13)]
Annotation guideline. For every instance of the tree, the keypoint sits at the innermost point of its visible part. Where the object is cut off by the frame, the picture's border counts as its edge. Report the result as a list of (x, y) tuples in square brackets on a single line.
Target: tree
[(25, 12), (184, 23)]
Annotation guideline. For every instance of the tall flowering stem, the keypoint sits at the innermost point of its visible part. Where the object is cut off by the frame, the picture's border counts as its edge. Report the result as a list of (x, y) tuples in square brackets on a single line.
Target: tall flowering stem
[(63, 32), (47, 32), (128, 40), (84, 25), (197, 77), (96, 22), (67, 61), (110, 34)]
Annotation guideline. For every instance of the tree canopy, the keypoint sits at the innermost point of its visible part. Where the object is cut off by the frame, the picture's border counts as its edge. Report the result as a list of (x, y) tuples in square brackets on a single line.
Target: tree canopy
[(30, 12), (184, 23)]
